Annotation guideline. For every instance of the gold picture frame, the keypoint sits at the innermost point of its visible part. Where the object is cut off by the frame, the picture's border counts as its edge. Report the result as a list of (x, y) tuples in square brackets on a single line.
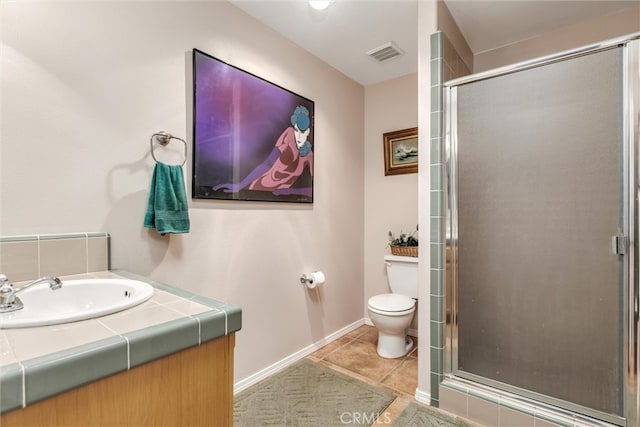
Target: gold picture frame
[(401, 151)]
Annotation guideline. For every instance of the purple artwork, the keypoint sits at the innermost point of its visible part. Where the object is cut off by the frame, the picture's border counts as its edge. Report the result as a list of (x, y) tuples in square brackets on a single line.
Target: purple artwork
[(252, 140)]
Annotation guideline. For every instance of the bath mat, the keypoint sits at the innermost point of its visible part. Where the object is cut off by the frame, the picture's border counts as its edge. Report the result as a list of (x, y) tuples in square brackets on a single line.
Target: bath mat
[(417, 415), (308, 394)]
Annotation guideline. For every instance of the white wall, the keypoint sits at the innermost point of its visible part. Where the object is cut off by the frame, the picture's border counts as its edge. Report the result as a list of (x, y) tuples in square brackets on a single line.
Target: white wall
[(391, 202), (595, 30), (85, 84)]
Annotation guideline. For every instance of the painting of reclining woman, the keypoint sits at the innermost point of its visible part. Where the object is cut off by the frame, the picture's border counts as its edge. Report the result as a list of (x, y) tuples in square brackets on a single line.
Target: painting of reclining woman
[(253, 140)]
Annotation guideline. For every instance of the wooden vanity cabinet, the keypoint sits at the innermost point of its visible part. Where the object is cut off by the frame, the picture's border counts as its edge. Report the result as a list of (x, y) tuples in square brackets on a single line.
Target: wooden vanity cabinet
[(193, 387)]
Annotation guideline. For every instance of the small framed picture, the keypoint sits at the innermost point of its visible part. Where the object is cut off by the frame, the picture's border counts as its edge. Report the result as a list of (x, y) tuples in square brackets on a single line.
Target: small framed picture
[(401, 151)]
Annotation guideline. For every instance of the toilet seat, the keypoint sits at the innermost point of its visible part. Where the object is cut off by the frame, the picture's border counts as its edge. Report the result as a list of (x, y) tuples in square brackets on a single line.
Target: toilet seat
[(391, 304)]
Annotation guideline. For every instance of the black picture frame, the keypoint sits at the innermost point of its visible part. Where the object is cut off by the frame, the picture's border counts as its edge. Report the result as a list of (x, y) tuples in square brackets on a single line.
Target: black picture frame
[(252, 140)]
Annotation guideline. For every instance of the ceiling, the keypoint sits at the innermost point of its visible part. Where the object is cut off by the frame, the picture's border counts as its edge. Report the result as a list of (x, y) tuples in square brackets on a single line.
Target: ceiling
[(342, 34)]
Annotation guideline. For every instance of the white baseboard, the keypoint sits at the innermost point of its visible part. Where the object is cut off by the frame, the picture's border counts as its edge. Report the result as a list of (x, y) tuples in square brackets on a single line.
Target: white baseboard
[(423, 397), (291, 359)]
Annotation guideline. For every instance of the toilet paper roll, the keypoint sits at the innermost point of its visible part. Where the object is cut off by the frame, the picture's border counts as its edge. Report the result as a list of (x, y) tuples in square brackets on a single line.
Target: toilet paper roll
[(316, 278)]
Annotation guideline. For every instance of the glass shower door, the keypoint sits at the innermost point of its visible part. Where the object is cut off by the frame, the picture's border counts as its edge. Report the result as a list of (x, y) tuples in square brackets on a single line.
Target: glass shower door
[(539, 193)]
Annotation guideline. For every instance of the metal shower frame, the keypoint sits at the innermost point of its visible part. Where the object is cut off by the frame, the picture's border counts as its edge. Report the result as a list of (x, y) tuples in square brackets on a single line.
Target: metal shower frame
[(631, 135)]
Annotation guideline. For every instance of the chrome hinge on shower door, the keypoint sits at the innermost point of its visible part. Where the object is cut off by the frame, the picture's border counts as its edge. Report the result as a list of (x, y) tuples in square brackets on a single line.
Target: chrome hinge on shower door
[(619, 244)]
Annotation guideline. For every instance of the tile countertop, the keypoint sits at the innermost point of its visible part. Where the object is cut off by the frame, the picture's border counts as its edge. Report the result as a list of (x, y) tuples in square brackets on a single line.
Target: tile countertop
[(37, 363)]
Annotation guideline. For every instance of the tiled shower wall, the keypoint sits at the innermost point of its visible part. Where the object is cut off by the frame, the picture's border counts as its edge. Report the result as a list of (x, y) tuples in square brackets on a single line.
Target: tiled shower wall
[(32, 256), (446, 64)]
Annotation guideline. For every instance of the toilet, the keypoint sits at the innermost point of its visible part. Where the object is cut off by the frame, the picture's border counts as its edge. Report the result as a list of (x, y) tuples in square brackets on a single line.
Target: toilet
[(392, 313)]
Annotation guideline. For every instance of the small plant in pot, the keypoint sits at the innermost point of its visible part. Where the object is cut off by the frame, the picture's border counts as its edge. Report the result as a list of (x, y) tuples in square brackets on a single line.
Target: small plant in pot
[(404, 244)]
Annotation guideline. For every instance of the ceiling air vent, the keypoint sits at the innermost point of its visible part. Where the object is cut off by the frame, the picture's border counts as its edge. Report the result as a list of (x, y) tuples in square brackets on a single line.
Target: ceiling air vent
[(385, 52)]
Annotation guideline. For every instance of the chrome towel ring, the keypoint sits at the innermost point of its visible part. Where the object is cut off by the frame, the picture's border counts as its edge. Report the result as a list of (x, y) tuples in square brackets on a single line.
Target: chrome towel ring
[(163, 138)]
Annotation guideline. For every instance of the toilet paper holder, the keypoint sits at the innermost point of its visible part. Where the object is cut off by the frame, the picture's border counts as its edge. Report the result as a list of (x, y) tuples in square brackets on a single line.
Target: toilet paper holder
[(306, 280), (312, 280)]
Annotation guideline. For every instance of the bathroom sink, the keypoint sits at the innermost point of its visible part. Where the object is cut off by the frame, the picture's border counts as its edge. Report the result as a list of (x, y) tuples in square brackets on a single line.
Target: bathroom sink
[(76, 300)]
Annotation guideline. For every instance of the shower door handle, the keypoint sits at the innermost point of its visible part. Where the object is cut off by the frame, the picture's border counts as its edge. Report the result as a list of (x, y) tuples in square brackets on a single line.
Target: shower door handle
[(619, 244)]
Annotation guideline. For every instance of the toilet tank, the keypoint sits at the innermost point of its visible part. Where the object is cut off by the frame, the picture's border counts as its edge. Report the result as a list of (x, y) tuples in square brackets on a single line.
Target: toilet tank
[(402, 274)]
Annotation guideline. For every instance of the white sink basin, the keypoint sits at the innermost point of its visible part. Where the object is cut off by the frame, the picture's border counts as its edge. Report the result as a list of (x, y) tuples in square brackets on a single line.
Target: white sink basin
[(76, 300)]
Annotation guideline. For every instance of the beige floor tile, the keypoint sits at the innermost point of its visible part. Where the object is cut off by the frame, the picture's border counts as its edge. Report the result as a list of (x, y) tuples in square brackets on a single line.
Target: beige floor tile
[(361, 357), (370, 335), (359, 331), (331, 347), (404, 377)]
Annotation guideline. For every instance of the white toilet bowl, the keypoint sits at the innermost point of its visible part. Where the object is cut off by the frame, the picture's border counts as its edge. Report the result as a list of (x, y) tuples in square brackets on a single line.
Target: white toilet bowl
[(392, 315)]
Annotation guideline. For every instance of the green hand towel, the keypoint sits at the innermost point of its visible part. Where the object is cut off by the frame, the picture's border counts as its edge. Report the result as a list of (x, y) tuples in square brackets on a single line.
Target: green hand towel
[(167, 209)]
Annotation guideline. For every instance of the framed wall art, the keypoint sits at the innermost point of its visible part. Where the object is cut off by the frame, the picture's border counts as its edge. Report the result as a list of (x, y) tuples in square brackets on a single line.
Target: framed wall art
[(252, 139), (401, 151)]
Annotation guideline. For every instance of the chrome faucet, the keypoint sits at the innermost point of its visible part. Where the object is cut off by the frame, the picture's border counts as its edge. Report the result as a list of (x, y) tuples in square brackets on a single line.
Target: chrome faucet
[(8, 299)]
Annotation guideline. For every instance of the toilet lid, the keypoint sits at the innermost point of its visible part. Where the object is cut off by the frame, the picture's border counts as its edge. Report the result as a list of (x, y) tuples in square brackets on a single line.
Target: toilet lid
[(391, 302)]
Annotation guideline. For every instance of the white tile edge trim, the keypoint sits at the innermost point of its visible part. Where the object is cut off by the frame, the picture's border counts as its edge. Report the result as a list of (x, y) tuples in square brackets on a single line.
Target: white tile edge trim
[(23, 373), (291, 359)]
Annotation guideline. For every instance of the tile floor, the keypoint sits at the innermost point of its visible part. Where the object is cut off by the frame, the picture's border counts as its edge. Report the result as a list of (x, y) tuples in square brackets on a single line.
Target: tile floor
[(355, 355)]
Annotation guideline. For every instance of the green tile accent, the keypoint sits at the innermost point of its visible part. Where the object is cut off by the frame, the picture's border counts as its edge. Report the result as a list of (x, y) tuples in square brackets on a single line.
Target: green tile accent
[(436, 282), (436, 360), (437, 332), (437, 199), (436, 98), (25, 238), (162, 340), (210, 302), (212, 325), (11, 380), (234, 318), (97, 234), (436, 304), (45, 237), (436, 177), (436, 124), (436, 151), (436, 231), (436, 379), (437, 258), (446, 55), (436, 71), (55, 373), (108, 252), (437, 203), (436, 45)]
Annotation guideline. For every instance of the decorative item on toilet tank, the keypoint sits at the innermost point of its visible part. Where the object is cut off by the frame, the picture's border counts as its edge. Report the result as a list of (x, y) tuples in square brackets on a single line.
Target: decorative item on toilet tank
[(252, 140)]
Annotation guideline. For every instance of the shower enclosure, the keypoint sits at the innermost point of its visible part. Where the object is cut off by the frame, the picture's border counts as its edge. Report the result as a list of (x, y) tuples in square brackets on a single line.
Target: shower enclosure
[(542, 231)]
